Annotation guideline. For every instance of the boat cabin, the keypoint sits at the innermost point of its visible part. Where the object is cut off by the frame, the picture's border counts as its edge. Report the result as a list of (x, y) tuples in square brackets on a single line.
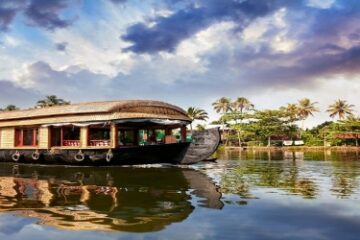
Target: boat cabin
[(95, 125)]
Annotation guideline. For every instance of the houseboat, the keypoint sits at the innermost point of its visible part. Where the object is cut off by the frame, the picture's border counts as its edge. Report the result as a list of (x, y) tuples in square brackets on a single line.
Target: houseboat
[(111, 132)]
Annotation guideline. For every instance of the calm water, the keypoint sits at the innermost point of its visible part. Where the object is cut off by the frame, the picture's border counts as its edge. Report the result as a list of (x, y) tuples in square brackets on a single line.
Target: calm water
[(244, 195)]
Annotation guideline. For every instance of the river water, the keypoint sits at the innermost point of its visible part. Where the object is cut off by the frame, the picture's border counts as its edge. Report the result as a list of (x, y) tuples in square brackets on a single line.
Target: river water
[(243, 195)]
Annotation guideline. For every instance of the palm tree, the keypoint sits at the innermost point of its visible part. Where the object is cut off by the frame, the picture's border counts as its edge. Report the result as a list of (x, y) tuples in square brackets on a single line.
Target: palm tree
[(50, 101), (240, 106), (292, 111), (10, 107), (222, 105), (341, 109), (306, 108), (197, 114)]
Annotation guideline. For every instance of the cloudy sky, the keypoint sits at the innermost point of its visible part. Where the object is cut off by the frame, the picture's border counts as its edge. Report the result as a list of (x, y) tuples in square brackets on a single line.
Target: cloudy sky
[(186, 52)]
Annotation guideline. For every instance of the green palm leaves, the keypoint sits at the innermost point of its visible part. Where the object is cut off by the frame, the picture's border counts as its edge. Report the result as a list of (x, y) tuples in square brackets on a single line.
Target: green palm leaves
[(341, 109), (50, 101)]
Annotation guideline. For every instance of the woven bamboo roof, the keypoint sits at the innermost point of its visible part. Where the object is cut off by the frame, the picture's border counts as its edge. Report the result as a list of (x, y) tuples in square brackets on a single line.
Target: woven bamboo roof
[(89, 111)]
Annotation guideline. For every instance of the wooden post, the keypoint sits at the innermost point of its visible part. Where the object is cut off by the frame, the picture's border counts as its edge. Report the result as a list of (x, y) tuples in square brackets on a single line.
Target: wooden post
[(44, 138), (183, 133), (34, 140), (168, 131), (84, 132), (113, 136), (62, 136)]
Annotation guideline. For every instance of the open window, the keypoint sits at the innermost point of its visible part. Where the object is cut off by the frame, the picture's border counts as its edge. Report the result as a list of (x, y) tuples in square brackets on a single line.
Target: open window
[(26, 137), (99, 136), (151, 136), (126, 137), (67, 136)]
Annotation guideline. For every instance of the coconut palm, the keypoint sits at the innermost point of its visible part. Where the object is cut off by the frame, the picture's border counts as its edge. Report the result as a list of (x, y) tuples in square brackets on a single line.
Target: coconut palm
[(197, 114), (239, 107), (50, 101), (306, 108), (222, 105), (242, 104), (341, 109), (10, 107), (292, 111)]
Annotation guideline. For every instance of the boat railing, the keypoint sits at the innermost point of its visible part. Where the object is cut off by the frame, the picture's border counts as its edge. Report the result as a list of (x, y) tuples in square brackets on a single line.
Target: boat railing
[(99, 143), (71, 143)]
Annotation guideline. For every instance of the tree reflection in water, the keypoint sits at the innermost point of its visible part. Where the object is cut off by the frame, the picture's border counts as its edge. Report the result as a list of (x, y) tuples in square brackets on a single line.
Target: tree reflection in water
[(285, 171)]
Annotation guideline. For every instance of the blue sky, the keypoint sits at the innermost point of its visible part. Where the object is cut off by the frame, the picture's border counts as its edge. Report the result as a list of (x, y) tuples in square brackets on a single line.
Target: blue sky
[(186, 52)]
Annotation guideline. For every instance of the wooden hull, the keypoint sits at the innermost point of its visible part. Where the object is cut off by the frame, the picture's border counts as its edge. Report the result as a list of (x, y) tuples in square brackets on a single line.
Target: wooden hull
[(204, 145)]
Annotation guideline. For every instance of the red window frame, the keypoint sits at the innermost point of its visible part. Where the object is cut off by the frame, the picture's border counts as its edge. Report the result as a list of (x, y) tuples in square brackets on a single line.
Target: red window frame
[(99, 142), (19, 137), (72, 142)]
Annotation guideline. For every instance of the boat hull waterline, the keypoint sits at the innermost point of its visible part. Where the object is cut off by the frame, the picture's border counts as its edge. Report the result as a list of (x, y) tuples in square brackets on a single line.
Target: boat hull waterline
[(204, 144)]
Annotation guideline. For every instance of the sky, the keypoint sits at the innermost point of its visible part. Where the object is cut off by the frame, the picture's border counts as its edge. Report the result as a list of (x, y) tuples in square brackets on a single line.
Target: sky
[(185, 52)]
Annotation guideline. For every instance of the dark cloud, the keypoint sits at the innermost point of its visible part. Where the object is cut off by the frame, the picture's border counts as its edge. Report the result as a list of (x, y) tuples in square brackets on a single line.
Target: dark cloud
[(8, 11), (61, 46), (45, 13), (165, 33), (40, 13)]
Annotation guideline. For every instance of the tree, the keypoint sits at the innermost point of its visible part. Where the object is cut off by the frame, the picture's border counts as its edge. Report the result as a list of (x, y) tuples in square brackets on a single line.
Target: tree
[(240, 106), (306, 108), (268, 123), (10, 107), (50, 101), (222, 105), (200, 127), (197, 114), (292, 112), (341, 109)]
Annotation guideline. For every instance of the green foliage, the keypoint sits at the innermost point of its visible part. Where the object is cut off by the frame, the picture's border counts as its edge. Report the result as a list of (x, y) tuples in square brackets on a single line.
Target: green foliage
[(200, 127), (256, 127), (341, 109), (197, 114), (50, 101), (9, 108)]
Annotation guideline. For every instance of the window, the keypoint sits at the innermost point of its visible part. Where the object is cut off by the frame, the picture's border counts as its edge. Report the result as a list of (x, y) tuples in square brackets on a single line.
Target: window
[(99, 136), (65, 136), (151, 136), (126, 137), (26, 137)]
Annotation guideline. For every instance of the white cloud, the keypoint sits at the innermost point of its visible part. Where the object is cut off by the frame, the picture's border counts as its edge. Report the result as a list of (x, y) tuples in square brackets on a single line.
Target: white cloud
[(206, 40), (257, 33)]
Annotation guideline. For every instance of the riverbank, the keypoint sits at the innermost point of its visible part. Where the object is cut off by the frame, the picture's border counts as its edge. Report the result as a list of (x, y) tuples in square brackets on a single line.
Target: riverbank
[(294, 148)]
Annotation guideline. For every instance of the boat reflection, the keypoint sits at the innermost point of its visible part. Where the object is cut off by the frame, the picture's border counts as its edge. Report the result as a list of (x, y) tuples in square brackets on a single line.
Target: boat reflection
[(106, 199)]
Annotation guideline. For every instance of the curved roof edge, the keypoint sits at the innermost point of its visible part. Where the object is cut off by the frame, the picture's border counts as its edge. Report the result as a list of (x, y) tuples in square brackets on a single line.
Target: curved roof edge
[(132, 107)]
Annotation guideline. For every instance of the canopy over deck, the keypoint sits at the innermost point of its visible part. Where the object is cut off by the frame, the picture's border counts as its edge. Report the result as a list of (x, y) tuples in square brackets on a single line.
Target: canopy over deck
[(94, 112)]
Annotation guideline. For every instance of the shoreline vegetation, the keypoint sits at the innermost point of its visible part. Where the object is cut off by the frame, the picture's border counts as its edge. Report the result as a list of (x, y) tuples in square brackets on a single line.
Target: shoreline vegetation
[(294, 148), (243, 125)]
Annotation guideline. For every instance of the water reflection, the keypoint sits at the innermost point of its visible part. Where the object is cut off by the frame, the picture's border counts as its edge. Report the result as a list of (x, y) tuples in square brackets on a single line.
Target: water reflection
[(295, 173), (106, 199)]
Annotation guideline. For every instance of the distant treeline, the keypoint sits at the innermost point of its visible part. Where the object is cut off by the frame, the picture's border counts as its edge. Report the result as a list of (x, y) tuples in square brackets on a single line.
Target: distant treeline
[(244, 125)]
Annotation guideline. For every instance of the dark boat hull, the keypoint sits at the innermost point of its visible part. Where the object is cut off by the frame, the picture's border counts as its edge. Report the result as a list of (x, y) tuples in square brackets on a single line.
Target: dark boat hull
[(204, 144)]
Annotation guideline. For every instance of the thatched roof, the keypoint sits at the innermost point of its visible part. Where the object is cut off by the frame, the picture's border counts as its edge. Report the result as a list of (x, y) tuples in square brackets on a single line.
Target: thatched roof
[(90, 111)]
